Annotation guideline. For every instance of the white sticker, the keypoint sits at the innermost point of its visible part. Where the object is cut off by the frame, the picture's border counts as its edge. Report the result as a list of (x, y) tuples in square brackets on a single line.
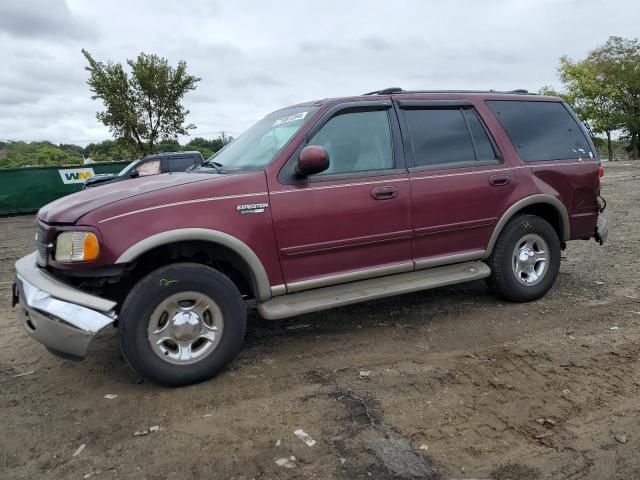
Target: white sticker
[(75, 175), (290, 118)]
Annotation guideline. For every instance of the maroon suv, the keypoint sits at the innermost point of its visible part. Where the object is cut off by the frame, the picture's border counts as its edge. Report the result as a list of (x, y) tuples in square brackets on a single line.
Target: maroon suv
[(318, 205)]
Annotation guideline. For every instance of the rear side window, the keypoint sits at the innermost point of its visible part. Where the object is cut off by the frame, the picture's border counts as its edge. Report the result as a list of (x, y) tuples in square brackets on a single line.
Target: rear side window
[(448, 137), (541, 130), (179, 164), (484, 149)]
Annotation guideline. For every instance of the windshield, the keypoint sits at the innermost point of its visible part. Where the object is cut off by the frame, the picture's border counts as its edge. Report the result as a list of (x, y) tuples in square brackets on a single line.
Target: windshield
[(256, 147)]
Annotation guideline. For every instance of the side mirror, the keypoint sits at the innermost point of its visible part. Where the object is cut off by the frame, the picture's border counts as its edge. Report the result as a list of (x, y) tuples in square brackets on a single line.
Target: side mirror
[(313, 159), (134, 173)]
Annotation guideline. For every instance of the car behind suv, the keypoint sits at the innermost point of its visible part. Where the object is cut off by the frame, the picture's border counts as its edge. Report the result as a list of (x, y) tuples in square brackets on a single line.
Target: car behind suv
[(150, 165), (318, 205)]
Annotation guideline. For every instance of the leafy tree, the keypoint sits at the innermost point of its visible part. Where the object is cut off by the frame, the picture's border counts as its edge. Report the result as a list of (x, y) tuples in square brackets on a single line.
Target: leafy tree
[(109, 151), (71, 147), (205, 146), (214, 144), (143, 108), (550, 91), (209, 146), (604, 89), (21, 154), (168, 146), (591, 97)]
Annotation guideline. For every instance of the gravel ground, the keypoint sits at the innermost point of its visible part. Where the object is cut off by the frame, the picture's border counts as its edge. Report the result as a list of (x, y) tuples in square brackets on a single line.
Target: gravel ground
[(449, 383)]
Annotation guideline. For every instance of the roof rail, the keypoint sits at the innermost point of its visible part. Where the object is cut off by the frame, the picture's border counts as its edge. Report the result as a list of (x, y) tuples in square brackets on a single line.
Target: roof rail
[(385, 91), (397, 90)]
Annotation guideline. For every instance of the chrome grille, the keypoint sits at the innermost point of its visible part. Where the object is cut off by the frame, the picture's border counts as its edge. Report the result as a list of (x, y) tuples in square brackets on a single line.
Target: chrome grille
[(41, 245)]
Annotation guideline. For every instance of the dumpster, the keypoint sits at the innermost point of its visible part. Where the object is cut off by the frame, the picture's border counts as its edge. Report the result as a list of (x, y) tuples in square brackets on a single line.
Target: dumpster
[(26, 189)]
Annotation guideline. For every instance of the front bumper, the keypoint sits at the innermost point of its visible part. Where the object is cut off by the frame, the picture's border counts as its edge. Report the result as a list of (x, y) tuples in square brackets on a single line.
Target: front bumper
[(61, 317)]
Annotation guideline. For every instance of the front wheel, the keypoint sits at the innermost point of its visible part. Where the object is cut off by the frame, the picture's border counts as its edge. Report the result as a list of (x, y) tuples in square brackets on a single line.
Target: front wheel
[(526, 259), (182, 324)]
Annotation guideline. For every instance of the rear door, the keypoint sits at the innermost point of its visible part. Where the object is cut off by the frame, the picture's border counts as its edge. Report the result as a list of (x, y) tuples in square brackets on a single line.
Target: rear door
[(459, 183), (353, 220)]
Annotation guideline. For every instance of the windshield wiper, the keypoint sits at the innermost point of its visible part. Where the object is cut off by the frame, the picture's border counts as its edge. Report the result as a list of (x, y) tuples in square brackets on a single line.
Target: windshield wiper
[(211, 163)]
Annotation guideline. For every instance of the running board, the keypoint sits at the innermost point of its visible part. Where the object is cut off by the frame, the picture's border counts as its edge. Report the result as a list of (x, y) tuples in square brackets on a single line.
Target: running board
[(348, 293)]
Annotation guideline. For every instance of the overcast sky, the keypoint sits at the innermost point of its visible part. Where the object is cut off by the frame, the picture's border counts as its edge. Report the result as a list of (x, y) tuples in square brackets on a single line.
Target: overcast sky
[(256, 56)]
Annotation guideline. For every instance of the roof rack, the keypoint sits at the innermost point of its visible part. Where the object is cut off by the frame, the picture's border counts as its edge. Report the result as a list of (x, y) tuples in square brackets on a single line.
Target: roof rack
[(398, 90), (386, 91)]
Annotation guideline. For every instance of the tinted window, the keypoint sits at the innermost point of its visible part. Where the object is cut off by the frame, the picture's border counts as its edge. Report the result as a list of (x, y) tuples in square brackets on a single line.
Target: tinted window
[(179, 164), (441, 136), (356, 141), (484, 149), (541, 130)]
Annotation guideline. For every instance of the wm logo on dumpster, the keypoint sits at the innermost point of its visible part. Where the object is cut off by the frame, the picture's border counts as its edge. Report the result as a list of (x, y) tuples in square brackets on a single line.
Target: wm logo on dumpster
[(75, 175)]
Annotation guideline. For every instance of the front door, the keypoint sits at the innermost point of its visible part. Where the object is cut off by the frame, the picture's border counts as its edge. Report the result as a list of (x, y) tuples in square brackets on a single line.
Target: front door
[(352, 221), (459, 182)]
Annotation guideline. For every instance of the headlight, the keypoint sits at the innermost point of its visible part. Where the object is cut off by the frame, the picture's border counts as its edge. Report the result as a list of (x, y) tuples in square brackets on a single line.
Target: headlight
[(77, 247)]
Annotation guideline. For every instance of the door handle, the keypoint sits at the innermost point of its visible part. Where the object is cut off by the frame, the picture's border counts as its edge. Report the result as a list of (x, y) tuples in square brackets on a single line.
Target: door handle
[(384, 193), (499, 180)]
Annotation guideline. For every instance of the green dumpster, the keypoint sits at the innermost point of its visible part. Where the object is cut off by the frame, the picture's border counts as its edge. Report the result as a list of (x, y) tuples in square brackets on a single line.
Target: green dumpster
[(27, 189)]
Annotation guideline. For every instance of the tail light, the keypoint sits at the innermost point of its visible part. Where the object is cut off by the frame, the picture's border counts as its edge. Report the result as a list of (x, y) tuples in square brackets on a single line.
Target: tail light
[(600, 171)]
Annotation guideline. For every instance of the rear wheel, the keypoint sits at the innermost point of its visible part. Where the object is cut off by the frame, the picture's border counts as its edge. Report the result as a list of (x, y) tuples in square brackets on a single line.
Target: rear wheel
[(182, 324), (526, 259)]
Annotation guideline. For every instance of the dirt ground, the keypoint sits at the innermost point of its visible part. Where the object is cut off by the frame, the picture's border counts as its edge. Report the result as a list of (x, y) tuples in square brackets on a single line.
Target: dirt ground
[(450, 383)]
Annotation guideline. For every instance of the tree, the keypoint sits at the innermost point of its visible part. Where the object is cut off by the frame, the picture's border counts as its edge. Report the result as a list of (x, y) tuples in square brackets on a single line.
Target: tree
[(591, 97), (144, 107), (604, 89), (549, 91), (168, 146), (21, 154), (208, 147), (110, 150)]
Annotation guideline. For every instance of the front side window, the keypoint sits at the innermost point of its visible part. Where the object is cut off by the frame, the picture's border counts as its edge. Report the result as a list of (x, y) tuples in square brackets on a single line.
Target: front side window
[(541, 130), (448, 137), (259, 145), (151, 167), (356, 141)]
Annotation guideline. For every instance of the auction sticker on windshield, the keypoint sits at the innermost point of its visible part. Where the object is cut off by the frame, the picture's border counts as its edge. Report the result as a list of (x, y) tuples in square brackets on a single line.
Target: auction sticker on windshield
[(290, 118)]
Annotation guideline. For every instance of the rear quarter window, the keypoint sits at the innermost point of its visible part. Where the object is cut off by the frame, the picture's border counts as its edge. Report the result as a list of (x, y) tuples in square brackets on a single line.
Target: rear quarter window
[(541, 130)]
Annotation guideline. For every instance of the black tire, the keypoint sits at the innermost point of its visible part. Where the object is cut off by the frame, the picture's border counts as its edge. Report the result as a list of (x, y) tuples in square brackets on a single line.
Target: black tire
[(156, 288), (503, 280)]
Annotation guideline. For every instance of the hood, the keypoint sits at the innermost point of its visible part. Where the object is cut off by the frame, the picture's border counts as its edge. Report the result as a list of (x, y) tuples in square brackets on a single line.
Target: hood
[(69, 209)]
